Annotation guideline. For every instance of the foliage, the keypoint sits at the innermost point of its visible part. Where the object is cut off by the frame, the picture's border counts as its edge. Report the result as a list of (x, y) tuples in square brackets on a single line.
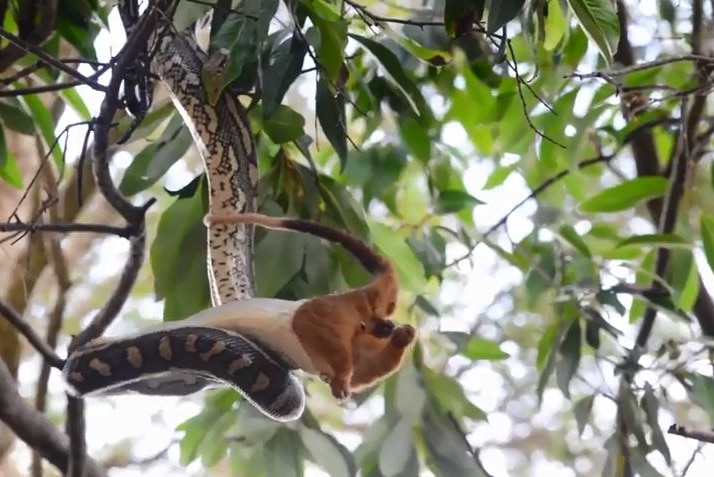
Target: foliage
[(427, 125)]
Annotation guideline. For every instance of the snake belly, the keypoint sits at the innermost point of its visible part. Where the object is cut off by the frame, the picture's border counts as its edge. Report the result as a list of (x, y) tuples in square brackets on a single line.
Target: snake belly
[(111, 366)]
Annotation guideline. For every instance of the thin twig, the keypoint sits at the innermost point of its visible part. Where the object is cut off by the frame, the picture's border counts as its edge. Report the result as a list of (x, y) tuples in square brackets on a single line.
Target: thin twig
[(402, 21), (61, 273), (32, 337), (8, 80), (38, 52), (45, 88), (546, 184), (112, 307), (70, 227), (519, 86), (643, 66), (43, 163)]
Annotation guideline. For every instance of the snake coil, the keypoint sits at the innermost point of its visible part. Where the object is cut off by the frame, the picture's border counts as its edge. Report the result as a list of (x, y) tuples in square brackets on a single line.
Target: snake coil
[(176, 358)]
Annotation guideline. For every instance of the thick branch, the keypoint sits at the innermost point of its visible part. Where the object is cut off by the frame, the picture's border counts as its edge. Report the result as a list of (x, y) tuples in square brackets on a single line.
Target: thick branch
[(34, 428), (132, 214), (667, 225), (647, 164)]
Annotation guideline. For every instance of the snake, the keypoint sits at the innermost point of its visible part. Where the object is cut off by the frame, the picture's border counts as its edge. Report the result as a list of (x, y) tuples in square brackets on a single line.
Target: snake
[(184, 356)]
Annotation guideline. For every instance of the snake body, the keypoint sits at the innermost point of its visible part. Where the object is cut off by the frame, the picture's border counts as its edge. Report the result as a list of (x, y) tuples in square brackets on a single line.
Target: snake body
[(182, 357)]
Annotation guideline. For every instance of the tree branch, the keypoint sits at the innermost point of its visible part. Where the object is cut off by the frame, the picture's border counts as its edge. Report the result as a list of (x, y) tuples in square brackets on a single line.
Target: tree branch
[(134, 215), (124, 232), (550, 181), (667, 223), (647, 163), (35, 429), (38, 52), (703, 436), (113, 306), (38, 343)]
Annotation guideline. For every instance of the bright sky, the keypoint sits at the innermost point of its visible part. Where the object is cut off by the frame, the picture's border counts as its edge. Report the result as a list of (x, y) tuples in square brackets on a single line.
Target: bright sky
[(148, 422)]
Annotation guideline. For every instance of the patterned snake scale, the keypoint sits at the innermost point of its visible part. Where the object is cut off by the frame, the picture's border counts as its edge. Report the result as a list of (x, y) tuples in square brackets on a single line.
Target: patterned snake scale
[(172, 359)]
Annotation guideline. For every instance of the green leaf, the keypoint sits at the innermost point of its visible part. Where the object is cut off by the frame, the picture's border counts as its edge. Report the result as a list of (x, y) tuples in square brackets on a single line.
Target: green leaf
[(252, 427), (155, 159), (282, 457), (482, 348), (682, 275), (330, 110), (503, 12), (643, 276), (285, 66), (195, 429), (454, 200), (43, 120), (625, 195), (415, 137), (582, 410), (214, 445), (395, 73), (372, 440), (499, 176), (342, 207), (447, 448), (573, 238), (9, 171), (14, 117), (598, 18), (426, 306), (640, 464), (547, 353), (72, 97), (326, 453), (428, 55), (570, 352), (396, 449), (448, 395), (325, 9), (707, 231), (409, 269), (285, 125), (556, 25), (409, 395), (331, 45), (242, 36), (80, 30), (181, 233), (278, 257), (702, 393), (650, 404), (592, 335), (459, 15), (632, 414), (657, 240)]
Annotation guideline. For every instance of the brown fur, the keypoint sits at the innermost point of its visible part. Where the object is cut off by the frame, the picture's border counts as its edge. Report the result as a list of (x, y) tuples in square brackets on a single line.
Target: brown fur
[(348, 335)]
